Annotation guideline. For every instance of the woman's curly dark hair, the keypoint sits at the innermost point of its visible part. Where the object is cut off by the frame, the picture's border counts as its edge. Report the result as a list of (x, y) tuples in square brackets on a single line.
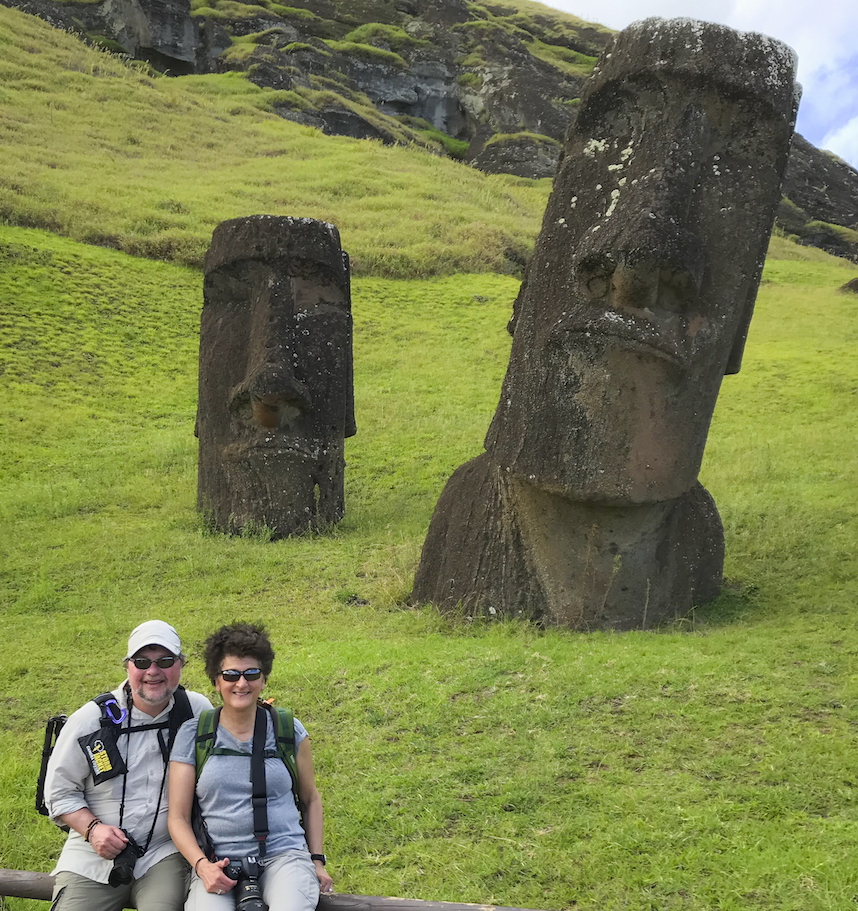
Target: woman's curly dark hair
[(244, 640)]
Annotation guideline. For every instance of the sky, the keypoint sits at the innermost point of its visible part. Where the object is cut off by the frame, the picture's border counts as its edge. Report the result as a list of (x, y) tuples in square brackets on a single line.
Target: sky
[(823, 36)]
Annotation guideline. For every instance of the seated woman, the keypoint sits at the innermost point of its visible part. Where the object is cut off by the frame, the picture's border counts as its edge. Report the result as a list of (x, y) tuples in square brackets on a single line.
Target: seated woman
[(238, 660)]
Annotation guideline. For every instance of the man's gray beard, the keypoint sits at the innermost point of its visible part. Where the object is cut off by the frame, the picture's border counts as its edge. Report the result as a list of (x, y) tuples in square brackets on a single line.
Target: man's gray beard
[(140, 694)]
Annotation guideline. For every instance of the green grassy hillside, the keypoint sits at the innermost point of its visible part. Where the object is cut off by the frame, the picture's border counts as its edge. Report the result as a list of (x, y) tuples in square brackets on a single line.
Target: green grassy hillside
[(111, 155), (709, 765), (706, 766)]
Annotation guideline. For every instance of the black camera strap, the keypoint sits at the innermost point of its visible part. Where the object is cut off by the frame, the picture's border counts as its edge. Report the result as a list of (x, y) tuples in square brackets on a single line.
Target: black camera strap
[(259, 796), (183, 712)]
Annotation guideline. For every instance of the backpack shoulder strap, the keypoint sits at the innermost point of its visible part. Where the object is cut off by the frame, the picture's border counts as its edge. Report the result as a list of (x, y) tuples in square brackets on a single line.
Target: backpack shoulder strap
[(52, 731), (259, 797), (180, 713), (112, 713), (206, 732), (284, 738)]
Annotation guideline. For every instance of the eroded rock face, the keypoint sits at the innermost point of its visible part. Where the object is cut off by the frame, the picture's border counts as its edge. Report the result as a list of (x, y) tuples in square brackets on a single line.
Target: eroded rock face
[(635, 305), (821, 184), (820, 194), (159, 30), (524, 156), (275, 383)]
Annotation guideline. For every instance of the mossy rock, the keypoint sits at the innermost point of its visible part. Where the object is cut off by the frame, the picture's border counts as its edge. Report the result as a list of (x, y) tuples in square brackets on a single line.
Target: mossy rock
[(368, 52), (520, 154), (379, 33), (297, 47), (522, 137), (107, 44), (469, 80), (359, 11)]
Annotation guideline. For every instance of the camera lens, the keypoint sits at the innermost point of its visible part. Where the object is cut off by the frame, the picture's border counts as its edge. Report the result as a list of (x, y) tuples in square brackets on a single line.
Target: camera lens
[(123, 868), (123, 864), (248, 895)]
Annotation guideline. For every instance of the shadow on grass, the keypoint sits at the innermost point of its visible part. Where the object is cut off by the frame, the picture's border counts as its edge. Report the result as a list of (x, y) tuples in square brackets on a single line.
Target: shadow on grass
[(735, 604)]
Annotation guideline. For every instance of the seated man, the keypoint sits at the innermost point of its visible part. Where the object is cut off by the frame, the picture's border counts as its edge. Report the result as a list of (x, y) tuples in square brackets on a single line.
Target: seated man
[(106, 781)]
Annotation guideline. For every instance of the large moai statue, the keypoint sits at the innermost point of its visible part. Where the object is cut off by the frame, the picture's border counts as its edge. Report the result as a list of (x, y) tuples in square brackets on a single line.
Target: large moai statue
[(585, 509), (275, 383)]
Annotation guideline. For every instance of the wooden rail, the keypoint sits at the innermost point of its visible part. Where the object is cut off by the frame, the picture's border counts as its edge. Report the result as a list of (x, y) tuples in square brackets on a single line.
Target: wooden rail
[(25, 884)]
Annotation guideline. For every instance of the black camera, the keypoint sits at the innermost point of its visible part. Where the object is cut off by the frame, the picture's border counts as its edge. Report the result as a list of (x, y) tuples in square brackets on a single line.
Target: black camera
[(123, 864), (248, 895)]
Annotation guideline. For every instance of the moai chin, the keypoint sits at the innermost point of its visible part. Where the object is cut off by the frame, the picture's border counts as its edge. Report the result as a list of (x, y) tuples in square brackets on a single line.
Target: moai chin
[(275, 376), (585, 510)]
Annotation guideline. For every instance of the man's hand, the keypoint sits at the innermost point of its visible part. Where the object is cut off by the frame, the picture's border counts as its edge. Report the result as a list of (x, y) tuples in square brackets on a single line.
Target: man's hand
[(107, 841)]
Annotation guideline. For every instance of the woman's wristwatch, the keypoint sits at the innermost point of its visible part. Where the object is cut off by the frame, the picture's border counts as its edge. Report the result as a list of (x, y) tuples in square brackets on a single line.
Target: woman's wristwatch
[(320, 857)]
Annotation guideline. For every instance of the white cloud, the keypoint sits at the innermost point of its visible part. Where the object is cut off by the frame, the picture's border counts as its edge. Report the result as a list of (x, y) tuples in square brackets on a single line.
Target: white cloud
[(830, 102), (843, 141)]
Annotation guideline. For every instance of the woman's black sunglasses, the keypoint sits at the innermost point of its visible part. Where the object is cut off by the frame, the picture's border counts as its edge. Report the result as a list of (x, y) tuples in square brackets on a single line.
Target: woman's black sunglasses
[(252, 673), (143, 664)]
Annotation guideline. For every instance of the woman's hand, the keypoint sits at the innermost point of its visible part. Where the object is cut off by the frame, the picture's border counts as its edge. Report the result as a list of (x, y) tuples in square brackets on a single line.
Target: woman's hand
[(213, 877), (181, 794), (326, 884)]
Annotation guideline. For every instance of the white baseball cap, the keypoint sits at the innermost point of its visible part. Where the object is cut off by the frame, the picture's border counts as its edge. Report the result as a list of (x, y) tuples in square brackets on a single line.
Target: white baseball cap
[(154, 632)]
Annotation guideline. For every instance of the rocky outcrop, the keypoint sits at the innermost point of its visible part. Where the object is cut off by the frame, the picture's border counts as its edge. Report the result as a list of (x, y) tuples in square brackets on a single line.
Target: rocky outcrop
[(521, 154), (162, 32), (821, 184), (70, 18), (392, 71), (820, 205)]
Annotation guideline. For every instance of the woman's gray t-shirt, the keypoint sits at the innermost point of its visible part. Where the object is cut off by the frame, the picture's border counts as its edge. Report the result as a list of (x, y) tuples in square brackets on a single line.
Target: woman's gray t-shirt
[(224, 793)]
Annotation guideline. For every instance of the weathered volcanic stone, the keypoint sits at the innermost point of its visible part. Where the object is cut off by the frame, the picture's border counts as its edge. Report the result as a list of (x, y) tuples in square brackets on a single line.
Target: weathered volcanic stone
[(275, 383), (585, 509), (523, 156)]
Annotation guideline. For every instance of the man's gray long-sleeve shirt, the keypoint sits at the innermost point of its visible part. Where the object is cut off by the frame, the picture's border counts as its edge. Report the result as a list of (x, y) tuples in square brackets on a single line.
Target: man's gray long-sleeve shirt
[(69, 786)]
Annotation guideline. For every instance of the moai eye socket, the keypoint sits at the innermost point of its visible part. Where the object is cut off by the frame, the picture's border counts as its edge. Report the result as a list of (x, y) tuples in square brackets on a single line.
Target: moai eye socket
[(677, 290), (594, 274)]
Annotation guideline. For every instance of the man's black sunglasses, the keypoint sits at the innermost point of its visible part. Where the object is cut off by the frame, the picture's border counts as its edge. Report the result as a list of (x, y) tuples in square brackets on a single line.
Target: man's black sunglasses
[(143, 664), (252, 673)]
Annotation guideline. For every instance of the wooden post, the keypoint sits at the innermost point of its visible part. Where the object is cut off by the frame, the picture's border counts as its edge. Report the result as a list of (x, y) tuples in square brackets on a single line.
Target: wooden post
[(25, 884)]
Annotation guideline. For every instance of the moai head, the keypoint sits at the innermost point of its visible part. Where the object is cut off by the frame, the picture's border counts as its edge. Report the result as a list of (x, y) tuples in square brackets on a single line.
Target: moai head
[(275, 384), (641, 288)]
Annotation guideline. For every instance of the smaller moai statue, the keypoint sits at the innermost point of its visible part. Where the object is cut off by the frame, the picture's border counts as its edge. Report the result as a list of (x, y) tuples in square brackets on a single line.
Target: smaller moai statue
[(585, 510), (275, 376)]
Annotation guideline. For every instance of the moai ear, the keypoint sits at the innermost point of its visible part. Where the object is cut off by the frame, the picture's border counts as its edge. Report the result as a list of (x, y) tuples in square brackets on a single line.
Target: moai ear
[(734, 362), (510, 326)]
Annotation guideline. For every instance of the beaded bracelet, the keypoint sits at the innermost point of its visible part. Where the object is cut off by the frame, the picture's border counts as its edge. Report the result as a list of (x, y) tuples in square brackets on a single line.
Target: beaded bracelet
[(92, 824)]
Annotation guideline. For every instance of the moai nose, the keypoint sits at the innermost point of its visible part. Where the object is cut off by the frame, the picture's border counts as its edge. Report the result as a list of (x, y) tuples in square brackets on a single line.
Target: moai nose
[(272, 393)]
